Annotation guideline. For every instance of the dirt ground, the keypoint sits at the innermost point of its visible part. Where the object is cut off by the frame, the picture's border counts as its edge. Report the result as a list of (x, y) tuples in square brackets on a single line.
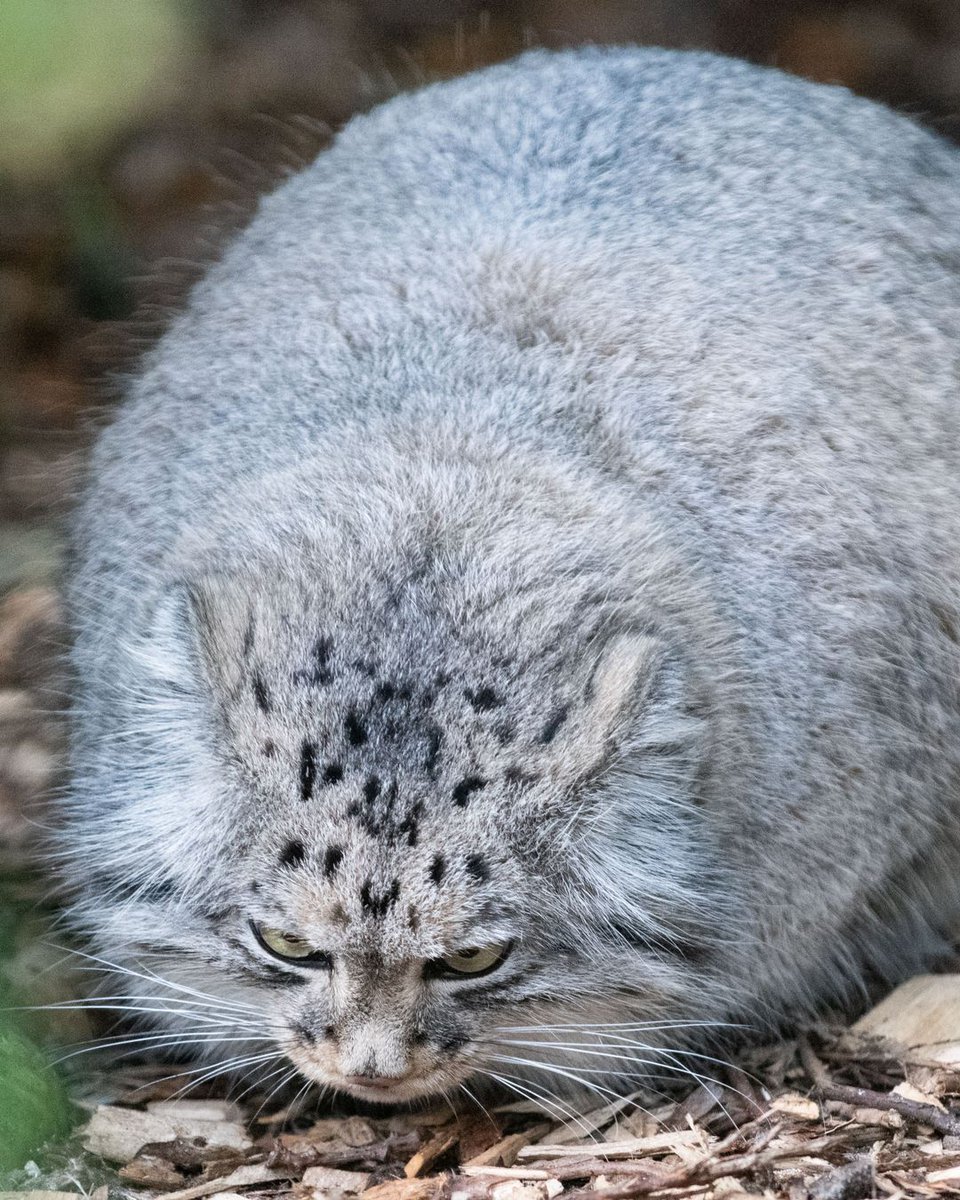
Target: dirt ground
[(98, 242)]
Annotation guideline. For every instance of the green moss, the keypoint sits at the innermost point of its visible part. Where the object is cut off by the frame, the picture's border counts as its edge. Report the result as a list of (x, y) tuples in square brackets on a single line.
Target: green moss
[(34, 1107)]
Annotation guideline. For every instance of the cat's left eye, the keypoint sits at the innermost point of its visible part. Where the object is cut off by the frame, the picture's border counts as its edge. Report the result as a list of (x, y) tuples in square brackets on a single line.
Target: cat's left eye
[(290, 947), (471, 961)]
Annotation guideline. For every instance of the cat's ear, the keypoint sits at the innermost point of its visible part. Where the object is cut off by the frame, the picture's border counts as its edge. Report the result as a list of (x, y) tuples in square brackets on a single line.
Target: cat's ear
[(197, 630), (637, 701), (632, 822)]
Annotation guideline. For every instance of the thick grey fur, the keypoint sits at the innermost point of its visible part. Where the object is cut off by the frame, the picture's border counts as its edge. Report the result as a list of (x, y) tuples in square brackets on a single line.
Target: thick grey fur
[(588, 428)]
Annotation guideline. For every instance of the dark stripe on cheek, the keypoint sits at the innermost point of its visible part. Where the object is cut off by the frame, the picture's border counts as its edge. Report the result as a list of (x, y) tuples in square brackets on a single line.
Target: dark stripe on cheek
[(308, 769)]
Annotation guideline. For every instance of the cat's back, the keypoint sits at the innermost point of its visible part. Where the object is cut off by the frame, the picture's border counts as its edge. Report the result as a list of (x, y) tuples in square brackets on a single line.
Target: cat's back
[(740, 267)]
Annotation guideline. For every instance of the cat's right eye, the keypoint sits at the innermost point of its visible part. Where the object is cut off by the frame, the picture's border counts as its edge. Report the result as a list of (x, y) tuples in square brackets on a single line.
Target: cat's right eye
[(290, 947), (475, 960)]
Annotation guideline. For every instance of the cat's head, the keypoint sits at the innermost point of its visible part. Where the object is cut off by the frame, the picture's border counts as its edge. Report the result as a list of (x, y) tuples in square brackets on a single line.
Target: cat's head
[(419, 816)]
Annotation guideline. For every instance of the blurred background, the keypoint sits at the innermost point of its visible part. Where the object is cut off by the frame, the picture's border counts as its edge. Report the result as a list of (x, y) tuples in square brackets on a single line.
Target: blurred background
[(134, 136)]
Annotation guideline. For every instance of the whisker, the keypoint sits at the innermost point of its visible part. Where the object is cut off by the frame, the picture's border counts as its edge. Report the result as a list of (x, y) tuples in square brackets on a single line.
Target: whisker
[(206, 1019), (149, 1041), (153, 977), (550, 1103)]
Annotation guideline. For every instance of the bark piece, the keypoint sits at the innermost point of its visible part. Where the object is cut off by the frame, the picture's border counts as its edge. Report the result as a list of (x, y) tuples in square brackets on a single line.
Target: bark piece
[(117, 1134), (407, 1189), (922, 1016), (329, 1181)]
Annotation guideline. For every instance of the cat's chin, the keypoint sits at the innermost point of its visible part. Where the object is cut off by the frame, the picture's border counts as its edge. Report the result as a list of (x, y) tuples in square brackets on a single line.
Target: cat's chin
[(430, 1082)]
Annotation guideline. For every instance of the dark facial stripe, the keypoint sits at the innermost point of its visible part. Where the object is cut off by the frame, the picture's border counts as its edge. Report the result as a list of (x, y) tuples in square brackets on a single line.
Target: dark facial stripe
[(485, 994), (260, 693), (356, 733), (553, 724), (308, 769)]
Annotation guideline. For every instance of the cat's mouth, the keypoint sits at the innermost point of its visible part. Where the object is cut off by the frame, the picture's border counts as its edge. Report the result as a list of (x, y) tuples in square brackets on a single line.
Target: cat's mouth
[(385, 1089)]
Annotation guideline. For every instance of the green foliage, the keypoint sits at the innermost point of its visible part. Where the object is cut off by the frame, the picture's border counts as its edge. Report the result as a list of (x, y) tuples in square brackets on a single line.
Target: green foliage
[(34, 1107), (73, 71), (33, 1103)]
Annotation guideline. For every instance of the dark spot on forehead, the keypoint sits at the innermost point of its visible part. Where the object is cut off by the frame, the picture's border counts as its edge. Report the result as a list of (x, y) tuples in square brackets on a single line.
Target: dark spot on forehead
[(413, 917), (409, 827), (356, 731), (505, 732), (332, 860), (463, 790), (483, 698), (556, 719), (376, 904), (254, 885), (268, 749), (308, 769), (318, 672), (385, 692), (434, 742), (260, 693), (364, 667), (293, 853), (332, 773), (477, 868), (519, 777), (438, 868), (441, 679), (371, 789), (248, 639)]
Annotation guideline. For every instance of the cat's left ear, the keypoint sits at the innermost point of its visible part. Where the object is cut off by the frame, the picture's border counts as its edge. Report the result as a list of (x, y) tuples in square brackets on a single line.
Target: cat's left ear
[(639, 703)]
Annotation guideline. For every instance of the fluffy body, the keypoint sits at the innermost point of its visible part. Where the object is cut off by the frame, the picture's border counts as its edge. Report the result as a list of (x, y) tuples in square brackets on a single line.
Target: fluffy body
[(540, 529)]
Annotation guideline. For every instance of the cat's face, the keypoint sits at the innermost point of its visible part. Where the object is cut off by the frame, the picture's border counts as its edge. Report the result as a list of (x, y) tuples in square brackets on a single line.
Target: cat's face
[(409, 822), (414, 871)]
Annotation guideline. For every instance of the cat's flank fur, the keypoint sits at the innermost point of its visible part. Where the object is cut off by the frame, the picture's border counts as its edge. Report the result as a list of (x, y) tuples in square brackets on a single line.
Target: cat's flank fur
[(540, 531)]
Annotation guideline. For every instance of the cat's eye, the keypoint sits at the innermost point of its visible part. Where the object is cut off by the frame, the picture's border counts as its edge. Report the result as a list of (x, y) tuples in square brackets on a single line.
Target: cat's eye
[(472, 961), (290, 947)]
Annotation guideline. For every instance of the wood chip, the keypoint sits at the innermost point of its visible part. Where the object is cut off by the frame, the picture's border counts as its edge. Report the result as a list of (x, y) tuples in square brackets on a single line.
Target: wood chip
[(196, 1110), (792, 1104), (478, 1132), (351, 1131), (506, 1172), (922, 1015), (38, 1196), (504, 1153), (629, 1148), (117, 1134), (407, 1189), (515, 1190), (427, 1155), (247, 1176), (328, 1179)]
